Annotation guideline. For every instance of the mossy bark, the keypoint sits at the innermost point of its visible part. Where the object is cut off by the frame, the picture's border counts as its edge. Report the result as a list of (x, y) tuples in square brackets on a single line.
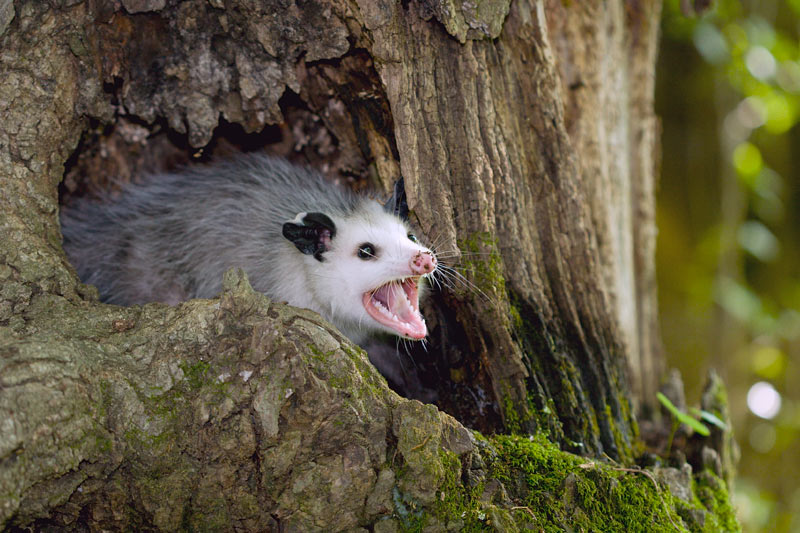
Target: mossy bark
[(240, 413), (525, 134)]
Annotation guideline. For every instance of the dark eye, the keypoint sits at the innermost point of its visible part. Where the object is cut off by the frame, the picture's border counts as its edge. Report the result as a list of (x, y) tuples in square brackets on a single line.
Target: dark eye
[(413, 238), (366, 251)]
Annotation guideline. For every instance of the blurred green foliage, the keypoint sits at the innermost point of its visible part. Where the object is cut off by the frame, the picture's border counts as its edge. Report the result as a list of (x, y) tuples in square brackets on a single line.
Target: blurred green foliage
[(729, 229)]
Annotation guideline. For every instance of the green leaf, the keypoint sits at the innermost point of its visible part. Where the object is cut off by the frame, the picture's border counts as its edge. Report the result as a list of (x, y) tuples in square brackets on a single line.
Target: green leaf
[(668, 404), (683, 417), (694, 424), (711, 418)]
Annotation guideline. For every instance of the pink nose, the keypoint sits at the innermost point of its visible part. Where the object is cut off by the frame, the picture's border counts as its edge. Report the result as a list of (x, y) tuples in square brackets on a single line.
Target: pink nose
[(423, 263)]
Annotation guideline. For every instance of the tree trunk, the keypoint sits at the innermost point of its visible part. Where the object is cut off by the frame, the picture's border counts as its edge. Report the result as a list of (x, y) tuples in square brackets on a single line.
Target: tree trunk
[(526, 136)]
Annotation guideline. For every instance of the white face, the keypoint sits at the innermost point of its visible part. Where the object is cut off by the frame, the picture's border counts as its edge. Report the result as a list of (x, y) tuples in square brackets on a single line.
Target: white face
[(371, 273)]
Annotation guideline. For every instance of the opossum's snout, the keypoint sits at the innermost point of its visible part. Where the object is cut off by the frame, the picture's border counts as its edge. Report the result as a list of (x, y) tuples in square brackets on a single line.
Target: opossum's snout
[(423, 263), (396, 305)]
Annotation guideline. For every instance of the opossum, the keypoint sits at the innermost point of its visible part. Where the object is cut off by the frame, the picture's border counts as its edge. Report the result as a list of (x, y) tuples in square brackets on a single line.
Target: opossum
[(300, 238)]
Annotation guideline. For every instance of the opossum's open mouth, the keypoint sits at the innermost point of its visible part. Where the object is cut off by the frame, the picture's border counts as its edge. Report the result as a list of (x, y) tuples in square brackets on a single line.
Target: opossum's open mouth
[(396, 305)]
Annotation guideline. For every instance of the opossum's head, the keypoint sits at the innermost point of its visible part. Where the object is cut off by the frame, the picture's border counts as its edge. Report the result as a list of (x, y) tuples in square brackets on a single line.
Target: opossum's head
[(368, 265)]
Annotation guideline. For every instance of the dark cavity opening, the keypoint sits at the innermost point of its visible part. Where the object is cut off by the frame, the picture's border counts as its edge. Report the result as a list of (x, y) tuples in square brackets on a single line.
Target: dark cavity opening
[(445, 370)]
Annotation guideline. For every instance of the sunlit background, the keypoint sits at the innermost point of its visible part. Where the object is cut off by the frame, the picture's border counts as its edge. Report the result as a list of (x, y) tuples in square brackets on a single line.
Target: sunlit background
[(729, 232)]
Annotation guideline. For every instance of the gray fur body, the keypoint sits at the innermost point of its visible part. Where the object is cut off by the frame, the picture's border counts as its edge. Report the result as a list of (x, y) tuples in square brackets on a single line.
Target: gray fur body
[(173, 236)]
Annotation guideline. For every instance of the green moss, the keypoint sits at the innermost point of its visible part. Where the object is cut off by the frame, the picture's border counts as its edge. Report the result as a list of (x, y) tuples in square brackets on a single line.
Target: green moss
[(532, 341), (103, 443), (554, 490), (720, 395), (486, 271), (138, 439), (102, 438), (208, 520), (549, 490), (172, 408), (513, 421), (530, 332), (105, 399), (516, 317), (373, 380), (318, 356), (456, 506), (367, 383), (195, 373), (322, 364), (561, 491), (712, 493), (411, 517), (622, 442)]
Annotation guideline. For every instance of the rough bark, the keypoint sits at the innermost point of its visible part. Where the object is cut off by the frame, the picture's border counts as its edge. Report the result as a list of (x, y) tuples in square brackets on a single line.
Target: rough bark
[(210, 406), (569, 238), (525, 135), (606, 57)]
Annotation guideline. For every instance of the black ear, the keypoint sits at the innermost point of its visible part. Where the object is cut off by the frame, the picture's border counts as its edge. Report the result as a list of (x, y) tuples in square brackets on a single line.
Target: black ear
[(311, 233), (397, 204)]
